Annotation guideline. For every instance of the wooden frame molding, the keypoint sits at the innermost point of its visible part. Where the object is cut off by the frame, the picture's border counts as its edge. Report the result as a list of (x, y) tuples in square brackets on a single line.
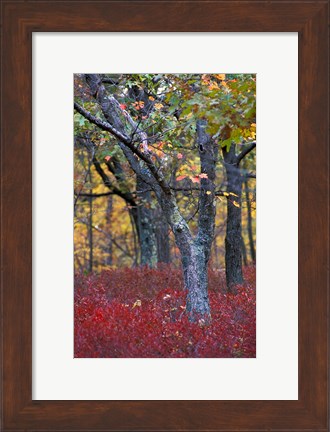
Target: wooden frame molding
[(19, 20)]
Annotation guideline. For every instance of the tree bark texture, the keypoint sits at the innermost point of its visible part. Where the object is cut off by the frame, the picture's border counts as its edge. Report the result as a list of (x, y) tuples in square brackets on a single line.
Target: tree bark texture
[(233, 241)]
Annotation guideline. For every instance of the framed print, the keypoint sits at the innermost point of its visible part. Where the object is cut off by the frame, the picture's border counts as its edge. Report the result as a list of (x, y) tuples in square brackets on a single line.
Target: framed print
[(35, 33), (237, 377)]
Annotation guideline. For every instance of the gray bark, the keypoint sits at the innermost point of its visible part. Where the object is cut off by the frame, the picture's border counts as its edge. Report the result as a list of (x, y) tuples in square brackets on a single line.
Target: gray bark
[(233, 241)]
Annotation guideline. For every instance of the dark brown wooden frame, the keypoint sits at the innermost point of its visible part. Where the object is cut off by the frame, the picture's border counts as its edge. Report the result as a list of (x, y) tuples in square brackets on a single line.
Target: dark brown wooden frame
[(19, 20)]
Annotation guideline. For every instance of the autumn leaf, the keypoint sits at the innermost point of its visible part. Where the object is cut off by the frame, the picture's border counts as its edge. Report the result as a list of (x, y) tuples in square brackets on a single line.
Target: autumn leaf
[(213, 86), (138, 105), (137, 303), (236, 204), (123, 106), (151, 98), (208, 192), (195, 179), (179, 155), (203, 175), (181, 177), (220, 77), (158, 106), (107, 158)]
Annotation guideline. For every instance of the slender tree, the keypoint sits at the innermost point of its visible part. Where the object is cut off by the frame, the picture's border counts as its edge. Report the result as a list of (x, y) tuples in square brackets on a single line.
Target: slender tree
[(233, 242)]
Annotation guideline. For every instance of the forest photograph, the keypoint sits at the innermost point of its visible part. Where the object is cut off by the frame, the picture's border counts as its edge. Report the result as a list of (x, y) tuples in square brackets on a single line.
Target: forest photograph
[(164, 215)]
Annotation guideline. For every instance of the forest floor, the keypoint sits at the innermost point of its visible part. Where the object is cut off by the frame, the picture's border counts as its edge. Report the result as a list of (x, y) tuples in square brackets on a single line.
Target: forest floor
[(141, 313)]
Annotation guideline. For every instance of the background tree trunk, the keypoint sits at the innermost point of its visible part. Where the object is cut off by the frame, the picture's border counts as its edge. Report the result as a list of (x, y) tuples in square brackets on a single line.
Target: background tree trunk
[(146, 228), (244, 255), (249, 222), (90, 233), (108, 221), (163, 238), (233, 241)]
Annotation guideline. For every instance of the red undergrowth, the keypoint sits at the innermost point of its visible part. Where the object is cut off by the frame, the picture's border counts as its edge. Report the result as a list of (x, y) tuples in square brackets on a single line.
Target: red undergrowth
[(141, 313)]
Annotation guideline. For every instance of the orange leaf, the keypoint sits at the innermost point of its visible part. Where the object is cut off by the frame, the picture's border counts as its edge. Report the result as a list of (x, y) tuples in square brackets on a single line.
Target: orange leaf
[(107, 158), (195, 179), (181, 177), (179, 155), (203, 175)]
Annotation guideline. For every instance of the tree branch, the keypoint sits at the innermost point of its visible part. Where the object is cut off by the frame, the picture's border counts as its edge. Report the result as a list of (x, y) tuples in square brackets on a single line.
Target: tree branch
[(246, 150), (95, 195), (124, 139)]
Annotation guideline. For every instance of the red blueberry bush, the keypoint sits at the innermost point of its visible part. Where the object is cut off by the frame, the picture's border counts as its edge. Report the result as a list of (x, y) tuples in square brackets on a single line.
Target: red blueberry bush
[(141, 313)]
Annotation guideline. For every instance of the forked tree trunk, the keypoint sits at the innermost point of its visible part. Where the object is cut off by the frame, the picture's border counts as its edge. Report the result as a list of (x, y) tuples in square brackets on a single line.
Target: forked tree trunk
[(194, 251)]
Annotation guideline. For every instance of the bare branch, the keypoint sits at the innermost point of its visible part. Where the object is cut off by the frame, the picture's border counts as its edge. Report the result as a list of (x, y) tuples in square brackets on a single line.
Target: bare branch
[(246, 150)]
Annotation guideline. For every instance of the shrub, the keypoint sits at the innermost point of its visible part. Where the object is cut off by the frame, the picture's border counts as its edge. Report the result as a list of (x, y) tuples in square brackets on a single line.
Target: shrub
[(141, 313)]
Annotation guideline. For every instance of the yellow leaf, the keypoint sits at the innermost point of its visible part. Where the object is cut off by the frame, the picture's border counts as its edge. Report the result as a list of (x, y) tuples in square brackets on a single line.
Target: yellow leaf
[(213, 86), (235, 203), (137, 303), (208, 192), (220, 76)]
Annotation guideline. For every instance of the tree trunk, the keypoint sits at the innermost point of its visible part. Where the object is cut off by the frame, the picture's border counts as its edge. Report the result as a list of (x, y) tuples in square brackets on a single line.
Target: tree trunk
[(163, 239), (108, 260), (146, 226), (250, 232), (244, 256), (90, 233), (196, 283), (233, 241)]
